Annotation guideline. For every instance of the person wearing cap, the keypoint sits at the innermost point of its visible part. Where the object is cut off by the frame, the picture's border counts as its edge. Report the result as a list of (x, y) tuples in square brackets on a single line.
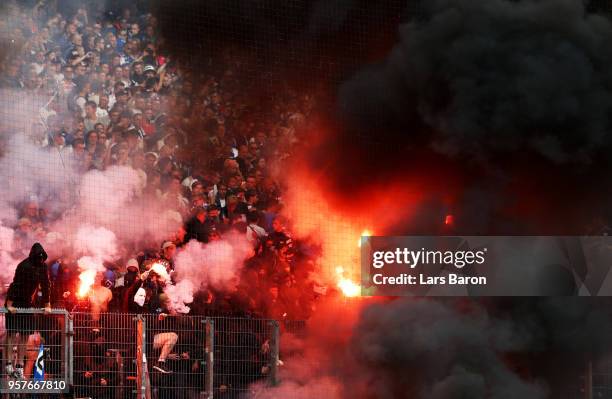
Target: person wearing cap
[(58, 144), (168, 251), (122, 97), (131, 283), (150, 68), (132, 265)]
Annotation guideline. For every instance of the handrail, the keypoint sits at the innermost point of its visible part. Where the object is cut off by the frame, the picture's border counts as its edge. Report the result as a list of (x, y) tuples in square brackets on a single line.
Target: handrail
[(35, 311)]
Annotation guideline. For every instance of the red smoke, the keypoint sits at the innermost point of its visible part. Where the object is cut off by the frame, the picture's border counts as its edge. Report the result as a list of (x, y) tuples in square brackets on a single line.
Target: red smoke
[(337, 220)]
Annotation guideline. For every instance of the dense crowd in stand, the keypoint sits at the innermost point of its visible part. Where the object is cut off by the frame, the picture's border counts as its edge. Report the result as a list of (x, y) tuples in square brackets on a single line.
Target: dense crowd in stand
[(204, 141)]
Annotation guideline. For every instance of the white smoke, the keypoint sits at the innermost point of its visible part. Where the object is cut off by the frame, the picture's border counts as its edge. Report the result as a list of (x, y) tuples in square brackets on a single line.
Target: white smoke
[(30, 173), (7, 262), (98, 242), (109, 198), (97, 245), (89, 267), (103, 194), (95, 215), (180, 295), (216, 265)]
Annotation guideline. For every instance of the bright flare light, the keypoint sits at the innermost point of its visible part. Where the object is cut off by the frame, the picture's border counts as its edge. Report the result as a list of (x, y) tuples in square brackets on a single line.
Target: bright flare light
[(365, 233), (88, 277), (160, 270), (348, 287)]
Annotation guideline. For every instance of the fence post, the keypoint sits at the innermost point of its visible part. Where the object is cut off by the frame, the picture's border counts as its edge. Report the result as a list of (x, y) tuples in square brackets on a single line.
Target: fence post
[(274, 352), (69, 328), (119, 392), (588, 381), (209, 349), (141, 363)]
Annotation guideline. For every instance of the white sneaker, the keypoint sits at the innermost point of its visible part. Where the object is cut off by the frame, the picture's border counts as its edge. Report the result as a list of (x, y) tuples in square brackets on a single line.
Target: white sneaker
[(9, 370), (161, 367)]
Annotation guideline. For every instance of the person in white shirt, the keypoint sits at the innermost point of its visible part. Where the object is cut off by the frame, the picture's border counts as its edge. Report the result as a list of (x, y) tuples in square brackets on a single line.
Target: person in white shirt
[(39, 62), (92, 118), (104, 105), (101, 113), (255, 233)]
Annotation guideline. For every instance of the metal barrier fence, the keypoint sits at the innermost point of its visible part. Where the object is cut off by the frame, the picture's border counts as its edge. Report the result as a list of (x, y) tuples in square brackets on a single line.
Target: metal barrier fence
[(29, 336), (104, 356), (113, 355), (598, 379), (595, 382), (245, 351)]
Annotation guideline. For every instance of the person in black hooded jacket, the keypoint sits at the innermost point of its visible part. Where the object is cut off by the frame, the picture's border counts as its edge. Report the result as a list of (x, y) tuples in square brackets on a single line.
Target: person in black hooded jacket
[(31, 276)]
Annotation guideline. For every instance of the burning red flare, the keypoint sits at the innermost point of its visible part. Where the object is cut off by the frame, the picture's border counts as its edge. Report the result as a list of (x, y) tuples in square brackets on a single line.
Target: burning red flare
[(348, 287), (365, 233), (88, 277), (449, 220)]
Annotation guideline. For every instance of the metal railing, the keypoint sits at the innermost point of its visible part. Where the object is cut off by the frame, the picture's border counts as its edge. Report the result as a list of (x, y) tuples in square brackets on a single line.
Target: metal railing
[(30, 335), (598, 379), (105, 355), (119, 355), (244, 351)]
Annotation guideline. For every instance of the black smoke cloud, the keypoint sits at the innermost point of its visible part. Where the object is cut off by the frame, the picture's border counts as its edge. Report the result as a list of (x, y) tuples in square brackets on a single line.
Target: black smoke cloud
[(492, 77), (444, 349)]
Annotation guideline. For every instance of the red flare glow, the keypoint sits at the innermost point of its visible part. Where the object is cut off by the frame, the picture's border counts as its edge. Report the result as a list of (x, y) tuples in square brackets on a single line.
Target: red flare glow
[(348, 287), (87, 278), (449, 220)]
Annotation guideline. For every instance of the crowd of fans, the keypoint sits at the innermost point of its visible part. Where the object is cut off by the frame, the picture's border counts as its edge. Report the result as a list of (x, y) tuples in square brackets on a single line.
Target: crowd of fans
[(204, 142)]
